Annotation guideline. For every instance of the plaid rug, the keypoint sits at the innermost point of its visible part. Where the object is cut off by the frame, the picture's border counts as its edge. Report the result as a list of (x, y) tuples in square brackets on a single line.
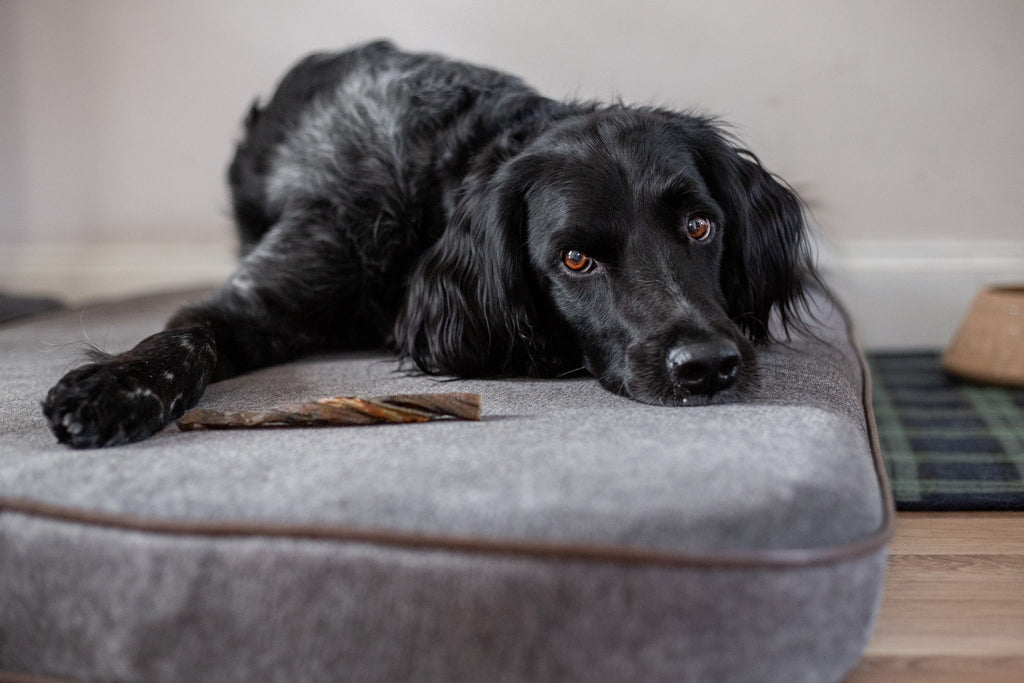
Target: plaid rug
[(947, 444)]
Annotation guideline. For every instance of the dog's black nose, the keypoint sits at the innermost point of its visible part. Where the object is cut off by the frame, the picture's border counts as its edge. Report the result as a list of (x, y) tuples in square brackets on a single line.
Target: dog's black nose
[(704, 367)]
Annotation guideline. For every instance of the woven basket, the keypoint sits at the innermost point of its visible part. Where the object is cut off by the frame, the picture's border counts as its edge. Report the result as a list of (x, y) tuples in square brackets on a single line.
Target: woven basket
[(989, 346)]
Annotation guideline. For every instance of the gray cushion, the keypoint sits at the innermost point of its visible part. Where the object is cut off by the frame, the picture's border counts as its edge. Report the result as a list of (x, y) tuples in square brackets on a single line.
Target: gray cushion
[(570, 535)]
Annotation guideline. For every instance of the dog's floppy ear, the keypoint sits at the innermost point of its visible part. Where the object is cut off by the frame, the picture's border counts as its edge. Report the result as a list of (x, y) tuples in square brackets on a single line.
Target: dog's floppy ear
[(766, 263), (468, 309)]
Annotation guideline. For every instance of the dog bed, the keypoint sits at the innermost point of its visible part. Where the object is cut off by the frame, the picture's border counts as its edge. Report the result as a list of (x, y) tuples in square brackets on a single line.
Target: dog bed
[(571, 535)]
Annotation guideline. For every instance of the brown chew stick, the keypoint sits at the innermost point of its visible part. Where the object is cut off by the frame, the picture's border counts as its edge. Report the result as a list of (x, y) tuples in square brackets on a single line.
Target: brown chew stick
[(341, 410)]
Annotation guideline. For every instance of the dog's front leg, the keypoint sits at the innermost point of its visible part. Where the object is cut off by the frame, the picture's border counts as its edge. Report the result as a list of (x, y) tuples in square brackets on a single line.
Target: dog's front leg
[(132, 395), (289, 296)]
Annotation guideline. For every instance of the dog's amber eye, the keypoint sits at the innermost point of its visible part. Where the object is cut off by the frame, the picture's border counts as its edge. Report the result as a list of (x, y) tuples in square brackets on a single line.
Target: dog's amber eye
[(577, 261), (699, 228)]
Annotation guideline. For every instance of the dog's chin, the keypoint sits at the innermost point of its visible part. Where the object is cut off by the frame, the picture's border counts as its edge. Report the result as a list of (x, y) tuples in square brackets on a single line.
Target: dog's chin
[(666, 394)]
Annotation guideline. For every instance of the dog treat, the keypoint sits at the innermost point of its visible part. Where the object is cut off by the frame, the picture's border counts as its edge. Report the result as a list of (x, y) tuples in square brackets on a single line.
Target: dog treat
[(340, 410)]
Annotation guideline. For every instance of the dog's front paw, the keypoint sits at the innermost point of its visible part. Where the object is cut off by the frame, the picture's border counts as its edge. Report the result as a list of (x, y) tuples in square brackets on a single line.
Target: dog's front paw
[(103, 404)]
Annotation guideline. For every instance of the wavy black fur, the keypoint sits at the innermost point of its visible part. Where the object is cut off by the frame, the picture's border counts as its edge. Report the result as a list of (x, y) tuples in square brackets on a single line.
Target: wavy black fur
[(386, 198)]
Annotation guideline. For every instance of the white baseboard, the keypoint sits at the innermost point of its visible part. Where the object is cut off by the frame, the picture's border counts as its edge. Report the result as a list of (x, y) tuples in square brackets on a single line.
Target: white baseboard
[(901, 295), (914, 294), (77, 273)]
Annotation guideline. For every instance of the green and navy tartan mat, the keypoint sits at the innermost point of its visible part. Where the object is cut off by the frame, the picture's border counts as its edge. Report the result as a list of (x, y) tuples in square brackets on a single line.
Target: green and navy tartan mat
[(947, 444)]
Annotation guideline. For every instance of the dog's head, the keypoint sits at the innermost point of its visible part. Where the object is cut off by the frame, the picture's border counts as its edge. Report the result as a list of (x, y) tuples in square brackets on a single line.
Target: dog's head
[(640, 244)]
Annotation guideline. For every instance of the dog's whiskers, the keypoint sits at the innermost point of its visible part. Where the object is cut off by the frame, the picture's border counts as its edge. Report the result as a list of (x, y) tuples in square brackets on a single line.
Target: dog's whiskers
[(573, 371)]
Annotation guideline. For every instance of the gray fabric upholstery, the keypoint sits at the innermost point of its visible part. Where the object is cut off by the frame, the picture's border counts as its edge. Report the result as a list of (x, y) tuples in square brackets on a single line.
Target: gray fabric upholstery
[(570, 535)]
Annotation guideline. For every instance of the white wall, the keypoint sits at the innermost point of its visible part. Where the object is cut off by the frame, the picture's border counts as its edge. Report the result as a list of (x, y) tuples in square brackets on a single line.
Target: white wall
[(900, 123)]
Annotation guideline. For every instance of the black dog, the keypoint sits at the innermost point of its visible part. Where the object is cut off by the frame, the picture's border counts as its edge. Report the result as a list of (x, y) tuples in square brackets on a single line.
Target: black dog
[(478, 229)]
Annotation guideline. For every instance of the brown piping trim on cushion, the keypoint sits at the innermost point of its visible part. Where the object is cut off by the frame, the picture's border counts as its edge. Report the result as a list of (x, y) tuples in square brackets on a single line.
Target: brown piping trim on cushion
[(888, 526), (541, 550), (549, 550)]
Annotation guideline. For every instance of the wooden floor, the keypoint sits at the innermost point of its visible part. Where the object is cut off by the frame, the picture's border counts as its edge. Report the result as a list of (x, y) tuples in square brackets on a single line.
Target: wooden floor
[(953, 609)]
